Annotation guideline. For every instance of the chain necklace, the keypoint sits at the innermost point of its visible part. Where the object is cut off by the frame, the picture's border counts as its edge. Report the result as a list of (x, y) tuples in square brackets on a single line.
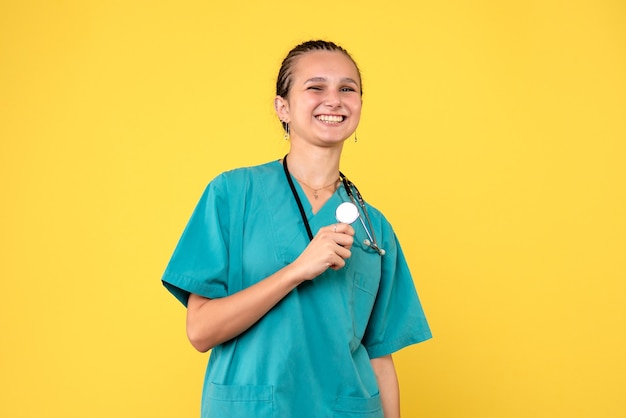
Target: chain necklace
[(315, 195)]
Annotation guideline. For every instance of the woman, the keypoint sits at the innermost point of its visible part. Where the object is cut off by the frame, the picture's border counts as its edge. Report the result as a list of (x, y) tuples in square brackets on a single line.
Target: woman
[(302, 312)]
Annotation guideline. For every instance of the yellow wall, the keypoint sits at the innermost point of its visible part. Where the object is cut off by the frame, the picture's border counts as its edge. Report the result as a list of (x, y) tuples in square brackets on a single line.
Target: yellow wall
[(492, 136)]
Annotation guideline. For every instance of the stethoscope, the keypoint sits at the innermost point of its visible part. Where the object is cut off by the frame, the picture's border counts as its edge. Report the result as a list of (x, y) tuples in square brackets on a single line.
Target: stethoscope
[(347, 212)]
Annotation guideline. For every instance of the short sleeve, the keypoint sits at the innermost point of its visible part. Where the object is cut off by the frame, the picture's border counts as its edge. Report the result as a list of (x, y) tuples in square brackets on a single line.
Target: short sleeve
[(199, 263), (397, 318)]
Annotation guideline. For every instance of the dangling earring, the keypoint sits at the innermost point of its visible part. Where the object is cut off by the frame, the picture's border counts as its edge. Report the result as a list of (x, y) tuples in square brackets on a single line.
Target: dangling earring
[(355, 138), (286, 128)]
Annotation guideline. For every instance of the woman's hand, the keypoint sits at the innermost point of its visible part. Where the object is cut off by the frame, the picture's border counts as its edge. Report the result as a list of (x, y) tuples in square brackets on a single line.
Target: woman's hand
[(329, 249)]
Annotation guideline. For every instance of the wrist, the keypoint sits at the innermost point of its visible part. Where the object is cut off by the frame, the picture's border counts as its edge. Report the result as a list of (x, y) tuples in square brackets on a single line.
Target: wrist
[(292, 275)]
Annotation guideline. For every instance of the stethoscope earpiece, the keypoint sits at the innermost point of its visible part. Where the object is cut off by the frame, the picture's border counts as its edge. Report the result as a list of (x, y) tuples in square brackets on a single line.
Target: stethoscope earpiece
[(373, 246)]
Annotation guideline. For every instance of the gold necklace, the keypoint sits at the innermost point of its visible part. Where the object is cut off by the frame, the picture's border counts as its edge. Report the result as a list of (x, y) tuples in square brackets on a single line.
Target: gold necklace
[(315, 195)]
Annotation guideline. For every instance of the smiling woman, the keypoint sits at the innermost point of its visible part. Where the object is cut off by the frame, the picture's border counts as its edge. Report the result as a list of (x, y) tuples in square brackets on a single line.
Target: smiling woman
[(302, 313), (323, 103)]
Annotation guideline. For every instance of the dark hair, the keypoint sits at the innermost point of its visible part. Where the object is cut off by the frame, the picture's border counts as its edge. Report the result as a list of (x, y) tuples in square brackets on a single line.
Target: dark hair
[(284, 80)]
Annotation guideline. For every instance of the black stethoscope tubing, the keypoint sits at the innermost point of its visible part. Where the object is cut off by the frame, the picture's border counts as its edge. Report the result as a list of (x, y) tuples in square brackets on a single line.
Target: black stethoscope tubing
[(298, 201)]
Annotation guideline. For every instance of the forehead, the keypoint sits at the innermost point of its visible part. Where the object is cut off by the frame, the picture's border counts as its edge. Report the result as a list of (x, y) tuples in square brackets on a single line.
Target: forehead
[(327, 64)]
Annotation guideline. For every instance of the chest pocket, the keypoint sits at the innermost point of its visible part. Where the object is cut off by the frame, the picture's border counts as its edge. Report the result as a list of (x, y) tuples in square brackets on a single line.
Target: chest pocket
[(365, 267)]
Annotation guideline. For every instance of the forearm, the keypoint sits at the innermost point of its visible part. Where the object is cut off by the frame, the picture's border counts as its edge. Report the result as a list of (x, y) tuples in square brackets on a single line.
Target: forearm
[(387, 385), (213, 321)]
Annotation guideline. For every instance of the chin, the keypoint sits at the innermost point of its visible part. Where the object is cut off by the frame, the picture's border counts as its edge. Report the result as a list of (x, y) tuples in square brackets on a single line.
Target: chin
[(335, 136), (334, 140)]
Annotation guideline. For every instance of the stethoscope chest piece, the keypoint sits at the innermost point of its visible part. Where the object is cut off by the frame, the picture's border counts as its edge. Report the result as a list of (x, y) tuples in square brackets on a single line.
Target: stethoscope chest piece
[(347, 213)]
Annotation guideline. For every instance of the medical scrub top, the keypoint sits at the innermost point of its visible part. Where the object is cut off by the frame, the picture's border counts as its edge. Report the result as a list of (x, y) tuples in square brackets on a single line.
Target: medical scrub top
[(309, 356)]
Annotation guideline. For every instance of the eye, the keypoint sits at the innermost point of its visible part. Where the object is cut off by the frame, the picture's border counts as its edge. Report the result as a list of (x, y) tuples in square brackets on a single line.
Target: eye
[(347, 89), (316, 88)]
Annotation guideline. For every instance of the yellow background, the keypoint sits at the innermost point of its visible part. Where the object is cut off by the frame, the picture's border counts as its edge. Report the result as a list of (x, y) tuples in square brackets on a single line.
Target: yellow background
[(492, 137)]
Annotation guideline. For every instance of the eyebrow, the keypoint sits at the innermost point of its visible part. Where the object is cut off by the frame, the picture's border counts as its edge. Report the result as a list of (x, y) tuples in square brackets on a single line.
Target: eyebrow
[(323, 79)]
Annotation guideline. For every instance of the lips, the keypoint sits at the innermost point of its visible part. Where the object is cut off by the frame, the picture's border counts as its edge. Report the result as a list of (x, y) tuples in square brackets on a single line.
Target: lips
[(330, 119)]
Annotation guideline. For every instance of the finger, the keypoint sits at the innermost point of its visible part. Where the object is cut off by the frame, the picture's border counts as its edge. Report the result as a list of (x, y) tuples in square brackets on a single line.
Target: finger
[(343, 253), (337, 264), (344, 240), (343, 228)]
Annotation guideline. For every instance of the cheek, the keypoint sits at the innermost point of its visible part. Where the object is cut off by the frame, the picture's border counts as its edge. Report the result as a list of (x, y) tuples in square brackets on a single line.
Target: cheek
[(309, 108), (356, 107)]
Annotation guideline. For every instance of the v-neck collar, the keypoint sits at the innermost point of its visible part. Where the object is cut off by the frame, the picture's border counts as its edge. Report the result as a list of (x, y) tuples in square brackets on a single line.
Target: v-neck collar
[(308, 207)]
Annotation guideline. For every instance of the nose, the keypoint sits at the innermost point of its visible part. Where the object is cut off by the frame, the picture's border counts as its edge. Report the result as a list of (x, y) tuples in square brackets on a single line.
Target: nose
[(332, 99)]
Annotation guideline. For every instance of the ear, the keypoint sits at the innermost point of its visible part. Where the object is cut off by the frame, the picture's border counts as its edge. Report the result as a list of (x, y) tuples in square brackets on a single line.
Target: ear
[(281, 106)]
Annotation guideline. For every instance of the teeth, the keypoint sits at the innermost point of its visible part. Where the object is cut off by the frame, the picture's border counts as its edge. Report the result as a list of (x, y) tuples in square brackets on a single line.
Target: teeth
[(330, 118)]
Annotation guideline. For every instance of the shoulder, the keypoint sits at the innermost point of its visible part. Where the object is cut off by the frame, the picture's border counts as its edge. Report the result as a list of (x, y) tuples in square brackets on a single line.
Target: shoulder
[(246, 173), (244, 177)]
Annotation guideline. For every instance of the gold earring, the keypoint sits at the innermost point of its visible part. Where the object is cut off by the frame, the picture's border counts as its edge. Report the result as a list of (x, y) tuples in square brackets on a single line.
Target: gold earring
[(286, 127)]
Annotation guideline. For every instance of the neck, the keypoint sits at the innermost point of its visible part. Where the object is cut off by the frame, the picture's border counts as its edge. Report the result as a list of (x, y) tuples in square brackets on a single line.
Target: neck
[(317, 167)]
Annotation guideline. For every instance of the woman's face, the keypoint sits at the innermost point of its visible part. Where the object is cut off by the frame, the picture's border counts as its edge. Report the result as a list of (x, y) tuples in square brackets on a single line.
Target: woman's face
[(324, 103)]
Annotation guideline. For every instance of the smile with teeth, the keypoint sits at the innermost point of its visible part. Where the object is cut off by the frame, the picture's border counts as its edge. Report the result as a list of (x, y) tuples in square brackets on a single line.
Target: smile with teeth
[(330, 118)]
